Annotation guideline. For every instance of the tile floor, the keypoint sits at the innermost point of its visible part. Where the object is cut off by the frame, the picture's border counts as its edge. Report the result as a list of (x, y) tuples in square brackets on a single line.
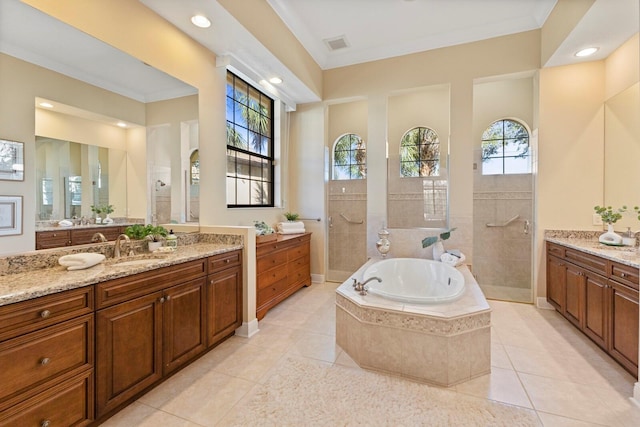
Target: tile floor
[(539, 361)]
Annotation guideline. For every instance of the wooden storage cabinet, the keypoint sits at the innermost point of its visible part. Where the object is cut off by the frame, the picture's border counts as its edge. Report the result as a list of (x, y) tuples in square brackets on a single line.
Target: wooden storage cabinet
[(599, 296), (224, 296), (47, 359), (283, 267), (75, 236), (52, 239)]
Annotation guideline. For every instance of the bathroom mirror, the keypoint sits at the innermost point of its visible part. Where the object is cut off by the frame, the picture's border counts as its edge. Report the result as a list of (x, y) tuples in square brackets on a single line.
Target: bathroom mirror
[(71, 177), (622, 153)]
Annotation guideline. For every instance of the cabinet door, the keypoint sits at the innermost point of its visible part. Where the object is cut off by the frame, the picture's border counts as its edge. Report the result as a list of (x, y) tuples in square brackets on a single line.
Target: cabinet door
[(184, 323), (556, 282), (623, 344), (128, 350), (224, 300), (574, 303), (596, 302)]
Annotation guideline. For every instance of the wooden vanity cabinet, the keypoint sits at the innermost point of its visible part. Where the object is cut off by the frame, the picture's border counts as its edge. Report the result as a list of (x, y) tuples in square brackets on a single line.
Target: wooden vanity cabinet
[(224, 296), (148, 325), (283, 266), (600, 297), (75, 236), (47, 360), (52, 239)]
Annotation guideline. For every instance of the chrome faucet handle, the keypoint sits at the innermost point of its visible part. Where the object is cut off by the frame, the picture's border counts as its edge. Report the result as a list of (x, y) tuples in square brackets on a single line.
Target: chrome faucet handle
[(355, 282)]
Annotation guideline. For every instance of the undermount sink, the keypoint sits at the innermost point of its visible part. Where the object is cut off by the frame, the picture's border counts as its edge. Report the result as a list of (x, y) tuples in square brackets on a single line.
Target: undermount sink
[(125, 262)]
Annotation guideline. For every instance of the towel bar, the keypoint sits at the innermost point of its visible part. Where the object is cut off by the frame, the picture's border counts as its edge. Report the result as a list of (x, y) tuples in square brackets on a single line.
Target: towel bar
[(504, 224)]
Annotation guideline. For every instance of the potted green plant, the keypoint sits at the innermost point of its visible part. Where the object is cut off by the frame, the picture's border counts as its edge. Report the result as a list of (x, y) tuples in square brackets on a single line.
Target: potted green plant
[(155, 233), (97, 210), (610, 216), (290, 216), (107, 210), (136, 231), (438, 248)]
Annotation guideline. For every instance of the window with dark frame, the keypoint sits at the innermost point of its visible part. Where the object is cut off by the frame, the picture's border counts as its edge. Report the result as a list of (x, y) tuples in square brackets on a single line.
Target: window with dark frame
[(250, 155), (420, 153), (349, 158)]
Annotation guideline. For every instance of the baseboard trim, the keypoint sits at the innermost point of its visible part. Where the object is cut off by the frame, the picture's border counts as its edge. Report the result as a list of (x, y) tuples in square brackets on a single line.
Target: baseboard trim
[(317, 278), (248, 329), (541, 302), (636, 394)]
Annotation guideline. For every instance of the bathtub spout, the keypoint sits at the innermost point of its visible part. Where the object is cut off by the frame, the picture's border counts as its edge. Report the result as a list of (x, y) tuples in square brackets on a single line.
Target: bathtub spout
[(361, 287)]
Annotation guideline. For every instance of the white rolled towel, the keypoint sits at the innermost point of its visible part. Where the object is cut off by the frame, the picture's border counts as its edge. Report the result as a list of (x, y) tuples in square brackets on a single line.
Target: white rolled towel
[(292, 225), (81, 260), (292, 231), (451, 259), (65, 223)]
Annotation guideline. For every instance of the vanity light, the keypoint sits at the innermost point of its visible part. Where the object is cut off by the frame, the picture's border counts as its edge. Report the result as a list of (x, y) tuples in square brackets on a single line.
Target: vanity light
[(46, 105), (121, 124), (275, 80), (586, 52), (200, 21)]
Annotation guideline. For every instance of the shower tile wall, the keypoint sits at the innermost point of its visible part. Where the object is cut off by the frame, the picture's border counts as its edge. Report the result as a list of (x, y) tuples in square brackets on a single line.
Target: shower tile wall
[(347, 241), (502, 255)]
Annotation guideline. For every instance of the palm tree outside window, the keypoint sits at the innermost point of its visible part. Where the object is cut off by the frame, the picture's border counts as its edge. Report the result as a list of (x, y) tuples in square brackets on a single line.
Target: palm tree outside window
[(349, 158), (250, 156), (420, 153), (505, 148)]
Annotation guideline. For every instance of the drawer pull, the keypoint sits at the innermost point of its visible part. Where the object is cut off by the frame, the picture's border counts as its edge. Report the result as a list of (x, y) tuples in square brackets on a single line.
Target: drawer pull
[(45, 423), (227, 261), (168, 298), (623, 275), (161, 299), (44, 361), (45, 313)]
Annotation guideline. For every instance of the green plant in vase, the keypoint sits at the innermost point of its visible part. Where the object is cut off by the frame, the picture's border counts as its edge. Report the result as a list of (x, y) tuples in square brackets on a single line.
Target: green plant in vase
[(290, 216), (610, 216)]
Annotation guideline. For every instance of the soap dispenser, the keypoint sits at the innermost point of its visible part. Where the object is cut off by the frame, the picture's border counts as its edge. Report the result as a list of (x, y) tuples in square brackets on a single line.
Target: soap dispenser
[(629, 238), (172, 240)]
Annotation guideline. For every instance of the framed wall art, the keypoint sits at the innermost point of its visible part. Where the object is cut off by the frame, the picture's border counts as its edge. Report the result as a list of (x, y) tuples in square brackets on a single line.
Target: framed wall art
[(10, 215), (11, 160)]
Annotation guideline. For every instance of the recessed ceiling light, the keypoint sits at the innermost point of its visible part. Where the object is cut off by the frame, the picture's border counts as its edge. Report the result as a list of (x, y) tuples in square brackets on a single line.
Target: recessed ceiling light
[(200, 21), (46, 105), (121, 124), (275, 80), (586, 52)]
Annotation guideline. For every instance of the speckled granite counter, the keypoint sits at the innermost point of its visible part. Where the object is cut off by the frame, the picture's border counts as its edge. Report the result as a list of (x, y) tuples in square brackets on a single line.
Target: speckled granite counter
[(44, 281), (587, 241)]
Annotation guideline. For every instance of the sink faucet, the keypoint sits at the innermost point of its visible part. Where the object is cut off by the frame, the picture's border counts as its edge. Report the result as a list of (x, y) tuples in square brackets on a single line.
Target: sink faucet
[(98, 237), (361, 287), (116, 249)]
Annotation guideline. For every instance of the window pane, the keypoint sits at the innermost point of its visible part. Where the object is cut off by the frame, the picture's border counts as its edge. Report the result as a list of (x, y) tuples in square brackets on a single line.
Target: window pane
[(240, 114), (230, 85), (419, 153), (256, 168), (516, 147), (243, 192), (241, 93), (495, 131), (230, 109), (266, 145), (517, 165), (492, 166), (231, 191), (240, 138)]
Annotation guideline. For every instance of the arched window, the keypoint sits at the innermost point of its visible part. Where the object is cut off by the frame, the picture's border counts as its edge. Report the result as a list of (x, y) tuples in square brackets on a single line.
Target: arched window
[(349, 158), (194, 161), (420, 153), (505, 148)]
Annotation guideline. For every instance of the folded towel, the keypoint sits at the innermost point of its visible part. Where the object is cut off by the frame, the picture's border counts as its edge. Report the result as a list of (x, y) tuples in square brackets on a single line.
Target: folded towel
[(451, 259), (290, 225), (80, 261), (65, 223), (293, 231)]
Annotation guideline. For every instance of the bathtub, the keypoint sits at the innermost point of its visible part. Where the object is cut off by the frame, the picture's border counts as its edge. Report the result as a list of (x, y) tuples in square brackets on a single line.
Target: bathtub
[(443, 343), (413, 280)]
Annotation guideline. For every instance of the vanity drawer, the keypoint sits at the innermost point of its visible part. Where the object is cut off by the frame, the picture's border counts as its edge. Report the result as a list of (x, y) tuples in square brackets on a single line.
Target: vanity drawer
[(66, 404), (223, 261), (52, 239), (556, 250), (127, 288), (592, 262), (82, 236), (269, 277), (23, 317), (31, 360), (624, 274), (298, 252), (270, 292), (300, 275)]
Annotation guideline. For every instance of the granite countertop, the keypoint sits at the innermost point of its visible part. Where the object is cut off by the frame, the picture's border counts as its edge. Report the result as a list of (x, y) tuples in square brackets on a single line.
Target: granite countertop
[(582, 241), (39, 282)]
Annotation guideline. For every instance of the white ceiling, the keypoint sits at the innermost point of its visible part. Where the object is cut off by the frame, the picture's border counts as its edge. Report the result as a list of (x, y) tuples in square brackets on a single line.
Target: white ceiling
[(374, 29)]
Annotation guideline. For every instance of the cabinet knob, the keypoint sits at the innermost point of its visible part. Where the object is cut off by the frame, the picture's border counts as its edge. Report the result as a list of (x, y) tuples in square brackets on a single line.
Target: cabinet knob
[(45, 313), (45, 423), (44, 361), (227, 261), (168, 297), (623, 275), (161, 299), (55, 235)]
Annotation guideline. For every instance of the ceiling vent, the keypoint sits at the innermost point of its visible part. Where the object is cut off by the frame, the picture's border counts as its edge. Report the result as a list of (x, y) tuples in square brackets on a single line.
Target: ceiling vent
[(336, 43)]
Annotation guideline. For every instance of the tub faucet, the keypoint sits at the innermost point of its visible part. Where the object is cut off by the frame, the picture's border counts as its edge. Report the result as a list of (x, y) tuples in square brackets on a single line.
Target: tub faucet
[(117, 247), (361, 287)]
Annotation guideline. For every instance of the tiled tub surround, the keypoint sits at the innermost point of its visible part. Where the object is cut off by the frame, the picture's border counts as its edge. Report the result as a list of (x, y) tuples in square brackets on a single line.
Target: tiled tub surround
[(442, 344), (34, 274)]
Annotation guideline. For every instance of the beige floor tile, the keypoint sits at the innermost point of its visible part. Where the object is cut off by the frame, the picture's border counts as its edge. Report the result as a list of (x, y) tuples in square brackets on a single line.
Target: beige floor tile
[(316, 346), (499, 357), (568, 399), (551, 420), (501, 385), (344, 359), (274, 337), (140, 415)]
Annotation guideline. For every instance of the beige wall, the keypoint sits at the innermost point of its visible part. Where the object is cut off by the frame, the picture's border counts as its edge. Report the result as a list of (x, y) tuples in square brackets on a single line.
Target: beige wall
[(561, 21)]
